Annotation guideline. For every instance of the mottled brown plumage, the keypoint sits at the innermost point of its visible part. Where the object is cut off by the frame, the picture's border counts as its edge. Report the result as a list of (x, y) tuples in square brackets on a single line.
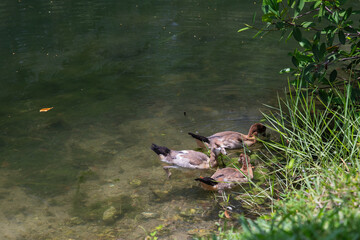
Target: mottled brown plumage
[(230, 139), (227, 178), (186, 158)]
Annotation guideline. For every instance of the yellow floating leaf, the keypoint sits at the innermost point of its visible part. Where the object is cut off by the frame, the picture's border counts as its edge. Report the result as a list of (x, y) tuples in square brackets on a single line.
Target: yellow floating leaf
[(46, 109)]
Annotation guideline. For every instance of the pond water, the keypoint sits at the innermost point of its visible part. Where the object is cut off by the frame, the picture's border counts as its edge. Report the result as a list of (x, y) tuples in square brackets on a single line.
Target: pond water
[(121, 75)]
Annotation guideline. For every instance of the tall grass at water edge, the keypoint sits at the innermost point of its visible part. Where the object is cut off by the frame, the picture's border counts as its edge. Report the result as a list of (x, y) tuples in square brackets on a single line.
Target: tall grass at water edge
[(315, 181)]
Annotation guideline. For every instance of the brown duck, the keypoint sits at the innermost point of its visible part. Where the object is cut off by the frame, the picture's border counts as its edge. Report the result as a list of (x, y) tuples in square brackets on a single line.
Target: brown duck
[(186, 158), (227, 178), (230, 139)]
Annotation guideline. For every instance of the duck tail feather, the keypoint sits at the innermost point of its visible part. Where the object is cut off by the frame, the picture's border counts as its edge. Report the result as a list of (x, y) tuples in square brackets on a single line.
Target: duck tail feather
[(198, 137), (160, 150), (207, 180)]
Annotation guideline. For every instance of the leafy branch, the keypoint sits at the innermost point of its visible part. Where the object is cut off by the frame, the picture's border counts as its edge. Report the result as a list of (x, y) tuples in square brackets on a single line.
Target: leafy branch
[(326, 35)]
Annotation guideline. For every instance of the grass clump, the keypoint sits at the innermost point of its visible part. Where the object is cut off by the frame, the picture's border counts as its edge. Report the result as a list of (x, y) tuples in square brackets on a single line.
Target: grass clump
[(320, 146), (314, 177), (339, 223)]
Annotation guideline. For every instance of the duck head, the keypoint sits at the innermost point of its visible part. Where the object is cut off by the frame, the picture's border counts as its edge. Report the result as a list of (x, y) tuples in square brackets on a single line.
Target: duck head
[(215, 151), (219, 150), (257, 129)]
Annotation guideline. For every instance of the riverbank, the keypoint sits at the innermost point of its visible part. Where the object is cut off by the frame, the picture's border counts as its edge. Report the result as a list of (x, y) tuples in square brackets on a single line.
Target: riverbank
[(316, 183)]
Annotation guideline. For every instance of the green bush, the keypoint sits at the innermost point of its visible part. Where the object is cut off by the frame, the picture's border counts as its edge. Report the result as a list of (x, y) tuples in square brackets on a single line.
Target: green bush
[(328, 35)]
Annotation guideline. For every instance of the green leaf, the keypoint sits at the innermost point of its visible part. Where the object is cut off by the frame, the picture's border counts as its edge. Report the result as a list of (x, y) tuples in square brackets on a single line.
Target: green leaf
[(291, 3), (305, 43), (322, 51), (330, 39), (321, 11), (285, 70), (342, 13), (243, 29), (353, 49), (301, 5), (317, 4), (309, 68), (275, 4), (317, 36), (308, 78), (315, 50), (283, 31), (159, 227), (258, 33), (289, 36), (303, 58), (324, 80), (295, 61), (291, 164), (297, 34), (253, 19), (341, 37), (298, 7), (333, 75), (270, 6), (265, 9), (330, 29), (267, 17), (307, 24), (283, 13), (335, 16)]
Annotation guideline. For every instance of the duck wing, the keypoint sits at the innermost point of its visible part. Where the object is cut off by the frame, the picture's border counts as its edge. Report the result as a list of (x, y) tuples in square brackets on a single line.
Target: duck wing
[(189, 159), (228, 139), (197, 158), (228, 175)]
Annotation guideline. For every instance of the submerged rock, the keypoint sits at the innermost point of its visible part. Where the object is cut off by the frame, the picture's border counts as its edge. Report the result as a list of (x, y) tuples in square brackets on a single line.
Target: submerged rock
[(148, 215), (76, 221), (160, 193), (199, 232), (189, 213), (135, 182), (110, 215)]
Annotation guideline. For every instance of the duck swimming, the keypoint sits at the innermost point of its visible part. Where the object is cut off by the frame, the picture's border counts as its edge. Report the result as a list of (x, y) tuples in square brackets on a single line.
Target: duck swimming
[(227, 178), (230, 139), (186, 158)]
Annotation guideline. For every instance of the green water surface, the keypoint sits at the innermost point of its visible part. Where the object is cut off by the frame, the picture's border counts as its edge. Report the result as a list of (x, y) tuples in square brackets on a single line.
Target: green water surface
[(121, 75)]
